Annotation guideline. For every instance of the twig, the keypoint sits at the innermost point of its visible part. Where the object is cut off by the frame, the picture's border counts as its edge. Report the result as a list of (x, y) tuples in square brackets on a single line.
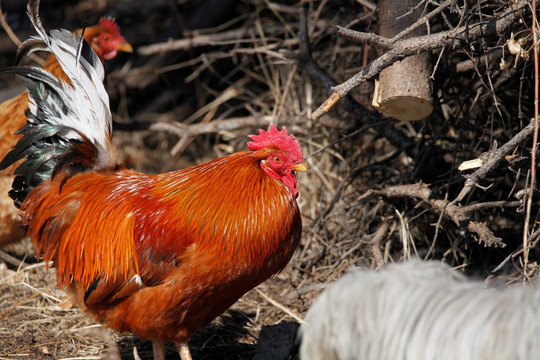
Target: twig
[(228, 94), (42, 293), (365, 38), (368, 4), (490, 204), (454, 212), (423, 20), (136, 353), (8, 30), (12, 260), (344, 184), (344, 137), (186, 132), (212, 126), (470, 64), (305, 58), (492, 160), (403, 48), (326, 106), (437, 228), (15, 39), (381, 232), (281, 307), (222, 38), (385, 43), (532, 184), (531, 244), (504, 262)]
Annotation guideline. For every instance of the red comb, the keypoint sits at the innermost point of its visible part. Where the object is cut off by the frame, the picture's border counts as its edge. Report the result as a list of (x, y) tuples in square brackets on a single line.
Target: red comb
[(110, 24), (279, 138)]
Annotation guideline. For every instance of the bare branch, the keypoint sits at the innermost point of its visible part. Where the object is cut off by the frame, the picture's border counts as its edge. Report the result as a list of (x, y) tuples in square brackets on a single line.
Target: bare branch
[(423, 20), (188, 132), (403, 48), (365, 38), (196, 40), (459, 215), (492, 160)]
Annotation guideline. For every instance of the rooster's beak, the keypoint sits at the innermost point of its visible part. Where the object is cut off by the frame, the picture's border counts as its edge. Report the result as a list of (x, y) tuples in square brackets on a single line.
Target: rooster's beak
[(300, 167), (126, 47)]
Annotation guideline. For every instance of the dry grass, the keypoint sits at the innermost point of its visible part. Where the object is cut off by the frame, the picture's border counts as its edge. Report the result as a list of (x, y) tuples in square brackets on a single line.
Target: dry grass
[(244, 71)]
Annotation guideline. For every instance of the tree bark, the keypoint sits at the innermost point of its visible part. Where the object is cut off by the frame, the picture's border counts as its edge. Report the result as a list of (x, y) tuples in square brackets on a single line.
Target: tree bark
[(404, 89)]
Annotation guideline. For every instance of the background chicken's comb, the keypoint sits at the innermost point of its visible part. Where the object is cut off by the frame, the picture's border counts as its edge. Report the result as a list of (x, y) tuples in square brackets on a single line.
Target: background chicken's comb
[(110, 24)]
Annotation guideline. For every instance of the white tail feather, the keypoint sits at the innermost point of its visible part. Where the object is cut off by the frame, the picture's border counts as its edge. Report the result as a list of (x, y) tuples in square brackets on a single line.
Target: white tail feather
[(85, 100)]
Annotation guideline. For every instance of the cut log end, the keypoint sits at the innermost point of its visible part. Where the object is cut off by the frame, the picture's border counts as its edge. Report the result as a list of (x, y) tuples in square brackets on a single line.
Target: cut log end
[(404, 89), (405, 108)]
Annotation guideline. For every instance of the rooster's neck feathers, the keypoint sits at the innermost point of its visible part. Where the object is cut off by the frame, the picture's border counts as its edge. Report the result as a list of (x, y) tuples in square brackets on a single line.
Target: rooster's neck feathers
[(233, 202)]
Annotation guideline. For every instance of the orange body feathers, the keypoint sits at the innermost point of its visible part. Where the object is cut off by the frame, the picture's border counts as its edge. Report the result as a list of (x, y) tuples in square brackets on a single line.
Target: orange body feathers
[(176, 243)]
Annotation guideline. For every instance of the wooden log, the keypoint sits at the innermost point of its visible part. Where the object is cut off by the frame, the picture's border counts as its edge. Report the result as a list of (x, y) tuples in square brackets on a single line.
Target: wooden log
[(404, 90)]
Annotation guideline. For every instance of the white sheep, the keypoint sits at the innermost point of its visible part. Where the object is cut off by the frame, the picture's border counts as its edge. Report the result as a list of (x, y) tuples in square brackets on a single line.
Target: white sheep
[(421, 311)]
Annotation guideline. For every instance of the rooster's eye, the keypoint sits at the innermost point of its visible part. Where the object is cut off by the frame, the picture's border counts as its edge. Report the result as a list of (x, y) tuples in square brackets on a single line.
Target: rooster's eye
[(277, 159)]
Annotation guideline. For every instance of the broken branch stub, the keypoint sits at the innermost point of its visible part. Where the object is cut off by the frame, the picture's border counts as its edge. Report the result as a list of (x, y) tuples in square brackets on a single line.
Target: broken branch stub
[(404, 89)]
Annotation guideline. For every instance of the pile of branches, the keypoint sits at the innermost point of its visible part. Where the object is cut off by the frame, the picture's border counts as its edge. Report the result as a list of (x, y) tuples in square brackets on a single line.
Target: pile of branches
[(458, 185)]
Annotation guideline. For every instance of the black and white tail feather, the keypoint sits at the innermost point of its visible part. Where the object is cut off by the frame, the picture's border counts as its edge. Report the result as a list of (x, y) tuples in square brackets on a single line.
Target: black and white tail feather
[(69, 125)]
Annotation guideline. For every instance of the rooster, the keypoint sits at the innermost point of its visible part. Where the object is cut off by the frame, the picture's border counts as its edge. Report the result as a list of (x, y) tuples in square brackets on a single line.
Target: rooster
[(106, 40), (160, 255)]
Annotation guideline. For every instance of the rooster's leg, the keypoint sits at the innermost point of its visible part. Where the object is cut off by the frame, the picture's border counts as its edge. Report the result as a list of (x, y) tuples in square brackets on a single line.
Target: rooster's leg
[(183, 349), (159, 349)]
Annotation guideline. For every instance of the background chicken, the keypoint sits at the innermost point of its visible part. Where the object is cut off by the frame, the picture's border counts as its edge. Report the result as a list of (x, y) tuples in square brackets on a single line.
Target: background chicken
[(157, 255), (106, 40)]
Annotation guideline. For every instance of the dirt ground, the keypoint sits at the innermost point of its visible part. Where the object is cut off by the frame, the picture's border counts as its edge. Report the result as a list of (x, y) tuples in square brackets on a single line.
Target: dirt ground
[(36, 325), (378, 190)]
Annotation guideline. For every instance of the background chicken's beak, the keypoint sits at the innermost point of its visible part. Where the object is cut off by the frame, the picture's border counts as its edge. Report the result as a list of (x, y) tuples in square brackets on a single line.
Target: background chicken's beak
[(126, 47), (300, 167)]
